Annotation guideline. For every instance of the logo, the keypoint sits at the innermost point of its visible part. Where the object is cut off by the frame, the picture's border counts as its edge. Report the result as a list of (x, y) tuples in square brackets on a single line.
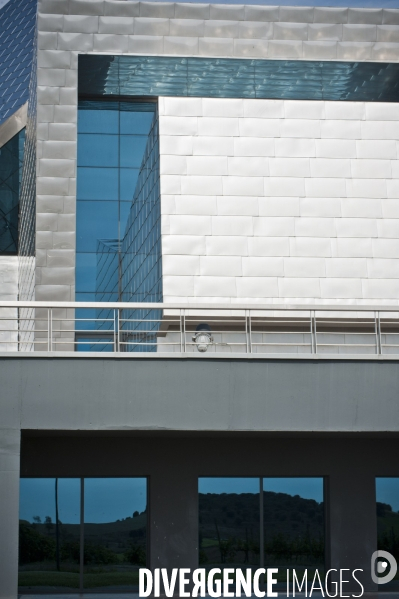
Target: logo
[(379, 567)]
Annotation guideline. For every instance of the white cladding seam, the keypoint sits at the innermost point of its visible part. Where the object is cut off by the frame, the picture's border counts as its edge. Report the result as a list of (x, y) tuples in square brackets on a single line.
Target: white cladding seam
[(67, 28)]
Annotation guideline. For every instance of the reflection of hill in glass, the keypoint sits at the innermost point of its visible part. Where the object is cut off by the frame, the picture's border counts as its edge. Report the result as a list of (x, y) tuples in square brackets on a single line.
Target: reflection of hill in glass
[(115, 539), (229, 527), (283, 513), (118, 535)]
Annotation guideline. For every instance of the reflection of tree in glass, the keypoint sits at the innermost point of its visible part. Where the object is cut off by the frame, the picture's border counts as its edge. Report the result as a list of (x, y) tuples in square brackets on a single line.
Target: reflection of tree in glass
[(388, 529), (229, 528)]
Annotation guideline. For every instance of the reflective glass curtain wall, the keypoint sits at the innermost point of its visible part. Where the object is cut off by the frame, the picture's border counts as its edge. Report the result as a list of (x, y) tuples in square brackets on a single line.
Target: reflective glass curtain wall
[(266, 522), (118, 208), (238, 78), (81, 533), (11, 160), (387, 497)]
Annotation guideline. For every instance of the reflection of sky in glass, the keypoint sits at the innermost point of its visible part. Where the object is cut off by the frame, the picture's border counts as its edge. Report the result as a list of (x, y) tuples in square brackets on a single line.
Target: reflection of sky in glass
[(308, 488), (387, 491), (111, 499), (228, 485), (106, 499), (37, 498)]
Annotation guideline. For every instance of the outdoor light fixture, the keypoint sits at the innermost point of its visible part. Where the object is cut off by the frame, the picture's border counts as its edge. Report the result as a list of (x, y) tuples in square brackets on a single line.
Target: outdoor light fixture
[(203, 337)]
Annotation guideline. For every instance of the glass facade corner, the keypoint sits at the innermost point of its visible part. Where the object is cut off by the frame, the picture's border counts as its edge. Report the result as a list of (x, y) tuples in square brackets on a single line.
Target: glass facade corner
[(118, 211)]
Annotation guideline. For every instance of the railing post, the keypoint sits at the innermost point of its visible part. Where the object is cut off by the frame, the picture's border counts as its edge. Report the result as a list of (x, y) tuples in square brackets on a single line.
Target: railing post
[(115, 331), (49, 329), (250, 331), (119, 331), (181, 330), (313, 330), (184, 330), (247, 330), (379, 340)]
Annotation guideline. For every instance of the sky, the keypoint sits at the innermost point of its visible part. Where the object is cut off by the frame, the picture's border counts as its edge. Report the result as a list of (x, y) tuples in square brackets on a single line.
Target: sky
[(111, 499)]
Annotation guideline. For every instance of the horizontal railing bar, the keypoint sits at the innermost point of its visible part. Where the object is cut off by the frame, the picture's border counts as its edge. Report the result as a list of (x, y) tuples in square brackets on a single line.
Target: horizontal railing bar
[(276, 343), (193, 307), (345, 344)]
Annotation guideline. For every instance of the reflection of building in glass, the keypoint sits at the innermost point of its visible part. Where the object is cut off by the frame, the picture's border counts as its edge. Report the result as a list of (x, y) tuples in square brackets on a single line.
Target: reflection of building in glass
[(107, 284), (141, 251), (118, 208), (130, 269), (107, 280)]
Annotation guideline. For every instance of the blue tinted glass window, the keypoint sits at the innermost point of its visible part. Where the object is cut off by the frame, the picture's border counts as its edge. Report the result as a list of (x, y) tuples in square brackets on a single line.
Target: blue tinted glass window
[(124, 208), (136, 122), (98, 184), (98, 121), (86, 272), (132, 149), (118, 216), (128, 182), (98, 150), (95, 221)]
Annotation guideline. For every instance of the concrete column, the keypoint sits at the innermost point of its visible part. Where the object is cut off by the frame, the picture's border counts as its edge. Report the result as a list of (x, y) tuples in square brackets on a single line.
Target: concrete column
[(9, 511), (173, 509), (352, 537)]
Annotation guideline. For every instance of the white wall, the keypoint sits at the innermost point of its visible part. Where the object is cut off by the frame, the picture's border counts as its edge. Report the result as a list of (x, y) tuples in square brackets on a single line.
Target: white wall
[(8, 292), (279, 201)]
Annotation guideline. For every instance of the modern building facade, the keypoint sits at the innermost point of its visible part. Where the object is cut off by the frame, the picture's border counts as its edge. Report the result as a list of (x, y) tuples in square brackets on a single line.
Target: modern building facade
[(199, 280)]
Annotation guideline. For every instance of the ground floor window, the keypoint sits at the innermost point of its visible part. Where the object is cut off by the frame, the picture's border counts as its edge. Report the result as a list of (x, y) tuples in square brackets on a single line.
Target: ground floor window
[(80, 533), (267, 522), (387, 496)]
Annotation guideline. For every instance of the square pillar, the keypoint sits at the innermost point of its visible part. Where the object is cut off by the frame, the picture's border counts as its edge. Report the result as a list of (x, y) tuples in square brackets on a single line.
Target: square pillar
[(352, 526), (173, 518), (10, 444)]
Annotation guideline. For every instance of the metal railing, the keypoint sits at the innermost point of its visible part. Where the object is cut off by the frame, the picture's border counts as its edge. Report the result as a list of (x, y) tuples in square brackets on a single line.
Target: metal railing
[(209, 329)]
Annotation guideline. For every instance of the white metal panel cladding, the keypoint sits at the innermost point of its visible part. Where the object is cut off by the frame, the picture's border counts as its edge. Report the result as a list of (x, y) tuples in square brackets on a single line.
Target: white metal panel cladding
[(288, 200)]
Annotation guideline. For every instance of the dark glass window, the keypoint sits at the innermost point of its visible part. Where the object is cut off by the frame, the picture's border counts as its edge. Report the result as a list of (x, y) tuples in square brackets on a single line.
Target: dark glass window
[(108, 531), (293, 524), (387, 496), (49, 550), (229, 522), (115, 531), (11, 159), (231, 511)]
